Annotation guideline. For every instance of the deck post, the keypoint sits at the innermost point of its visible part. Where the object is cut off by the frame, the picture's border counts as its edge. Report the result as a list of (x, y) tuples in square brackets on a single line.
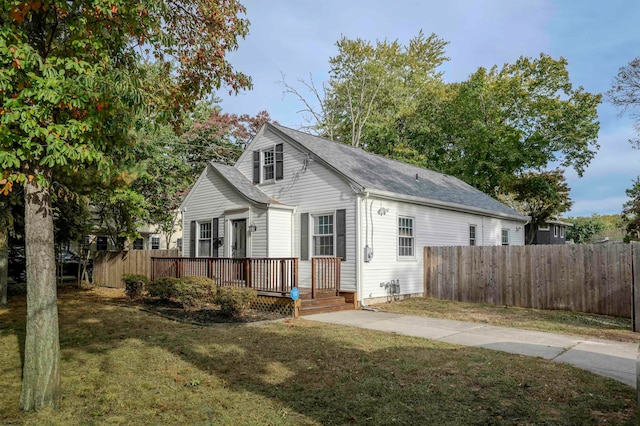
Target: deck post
[(247, 272), (313, 278)]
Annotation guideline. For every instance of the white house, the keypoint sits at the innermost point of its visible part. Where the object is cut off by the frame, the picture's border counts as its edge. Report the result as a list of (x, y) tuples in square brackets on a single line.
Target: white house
[(292, 194)]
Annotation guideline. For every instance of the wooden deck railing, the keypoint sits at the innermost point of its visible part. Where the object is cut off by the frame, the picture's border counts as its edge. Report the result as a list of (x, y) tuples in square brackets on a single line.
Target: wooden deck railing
[(325, 275), (272, 275)]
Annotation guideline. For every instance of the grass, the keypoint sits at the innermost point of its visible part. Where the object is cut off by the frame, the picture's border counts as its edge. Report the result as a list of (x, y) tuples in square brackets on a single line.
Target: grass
[(121, 365), (564, 322)]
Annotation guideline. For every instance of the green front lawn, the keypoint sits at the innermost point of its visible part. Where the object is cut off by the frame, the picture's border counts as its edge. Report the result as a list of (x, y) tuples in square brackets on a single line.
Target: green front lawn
[(121, 365)]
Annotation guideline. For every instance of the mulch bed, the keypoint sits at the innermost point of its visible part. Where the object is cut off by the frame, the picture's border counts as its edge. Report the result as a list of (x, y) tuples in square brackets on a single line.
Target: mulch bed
[(205, 316)]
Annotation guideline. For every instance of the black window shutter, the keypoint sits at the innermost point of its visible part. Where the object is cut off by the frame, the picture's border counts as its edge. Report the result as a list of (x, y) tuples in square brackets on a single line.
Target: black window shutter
[(214, 238), (341, 234), (192, 239), (256, 166), (304, 236), (279, 161)]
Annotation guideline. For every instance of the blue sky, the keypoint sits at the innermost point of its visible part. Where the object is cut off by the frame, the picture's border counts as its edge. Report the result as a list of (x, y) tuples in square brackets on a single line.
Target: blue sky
[(296, 38)]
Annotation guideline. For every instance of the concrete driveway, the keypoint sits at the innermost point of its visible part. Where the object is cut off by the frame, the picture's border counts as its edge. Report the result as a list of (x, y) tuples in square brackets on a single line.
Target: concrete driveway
[(617, 360)]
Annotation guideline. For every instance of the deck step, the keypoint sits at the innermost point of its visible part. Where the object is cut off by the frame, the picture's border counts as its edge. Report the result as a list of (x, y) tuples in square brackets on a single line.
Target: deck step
[(306, 294), (311, 310), (327, 300), (328, 303)]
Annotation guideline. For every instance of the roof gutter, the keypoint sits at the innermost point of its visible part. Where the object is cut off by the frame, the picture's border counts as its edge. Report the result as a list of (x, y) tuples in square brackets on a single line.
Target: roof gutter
[(445, 205)]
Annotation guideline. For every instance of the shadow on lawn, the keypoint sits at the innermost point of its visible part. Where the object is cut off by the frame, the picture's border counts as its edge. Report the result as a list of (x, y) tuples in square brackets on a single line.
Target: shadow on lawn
[(337, 375)]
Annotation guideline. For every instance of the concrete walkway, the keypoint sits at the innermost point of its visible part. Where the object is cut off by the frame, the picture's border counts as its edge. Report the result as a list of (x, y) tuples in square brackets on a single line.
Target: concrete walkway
[(611, 359)]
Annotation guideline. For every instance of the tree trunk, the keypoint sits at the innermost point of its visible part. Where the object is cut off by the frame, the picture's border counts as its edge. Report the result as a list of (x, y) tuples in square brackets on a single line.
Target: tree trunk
[(40, 374), (4, 266)]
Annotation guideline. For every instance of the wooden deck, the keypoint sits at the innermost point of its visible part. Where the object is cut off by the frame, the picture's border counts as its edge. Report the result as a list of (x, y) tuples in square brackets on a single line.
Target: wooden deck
[(274, 277)]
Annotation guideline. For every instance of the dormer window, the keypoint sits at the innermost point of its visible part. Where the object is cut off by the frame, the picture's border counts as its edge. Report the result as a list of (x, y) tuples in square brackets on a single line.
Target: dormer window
[(268, 164)]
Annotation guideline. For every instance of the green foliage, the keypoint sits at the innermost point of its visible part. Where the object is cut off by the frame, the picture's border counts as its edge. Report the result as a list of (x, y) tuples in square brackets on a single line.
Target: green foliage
[(488, 130), (542, 196), (190, 292), (631, 212), (584, 228), (235, 301), (503, 122), (164, 289), (135, 285), (373, 88), (196, 292), (119, 213)]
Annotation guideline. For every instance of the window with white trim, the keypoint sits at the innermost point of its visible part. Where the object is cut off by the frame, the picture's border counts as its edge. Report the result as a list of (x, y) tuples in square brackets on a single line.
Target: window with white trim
[(505, 237), (472, 235), (555, 230), (155, 243), (562, 232), (543, 228), (204, 239), (323, 235), (138, 244), (406, 234), (268, 164)]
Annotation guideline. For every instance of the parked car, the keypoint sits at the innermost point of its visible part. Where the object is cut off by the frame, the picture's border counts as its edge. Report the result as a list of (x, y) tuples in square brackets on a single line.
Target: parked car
[(17, 265), (71, 263)]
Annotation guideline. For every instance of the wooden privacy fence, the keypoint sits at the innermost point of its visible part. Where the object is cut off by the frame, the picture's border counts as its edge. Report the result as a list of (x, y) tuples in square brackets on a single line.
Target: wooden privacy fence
[(110, 266), (270, 275), (594, 278)]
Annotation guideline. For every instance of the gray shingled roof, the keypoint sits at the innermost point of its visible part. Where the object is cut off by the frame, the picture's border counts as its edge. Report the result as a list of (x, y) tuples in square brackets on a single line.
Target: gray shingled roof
[(374, 172), (242, 184)]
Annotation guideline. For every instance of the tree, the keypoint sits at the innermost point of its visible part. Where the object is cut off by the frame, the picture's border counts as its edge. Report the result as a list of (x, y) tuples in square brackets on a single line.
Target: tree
[(6, 225), (503, 122), (584, 228), (542, 196), (631, 212), (488, 130), (371, 87), (625, 93), (217, 136), (70, 91)]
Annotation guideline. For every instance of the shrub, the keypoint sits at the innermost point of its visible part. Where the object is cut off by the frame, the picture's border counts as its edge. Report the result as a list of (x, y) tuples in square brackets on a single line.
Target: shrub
[(196, 291), (135, 285), (235, 301), (190, 292), (164, 288)]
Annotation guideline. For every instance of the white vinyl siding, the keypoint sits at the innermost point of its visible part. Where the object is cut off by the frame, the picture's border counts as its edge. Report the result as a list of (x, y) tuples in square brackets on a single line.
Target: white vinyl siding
[(432, 227), (280, 231), (209, 198), (311, 188)]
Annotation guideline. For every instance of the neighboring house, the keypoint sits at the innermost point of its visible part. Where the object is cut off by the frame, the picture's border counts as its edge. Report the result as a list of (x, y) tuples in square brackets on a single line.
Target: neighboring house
[(150, 239), (554, 232), (292, 194)]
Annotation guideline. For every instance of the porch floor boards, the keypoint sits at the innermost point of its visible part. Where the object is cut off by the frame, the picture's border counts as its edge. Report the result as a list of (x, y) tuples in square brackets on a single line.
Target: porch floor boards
[(324, 302)]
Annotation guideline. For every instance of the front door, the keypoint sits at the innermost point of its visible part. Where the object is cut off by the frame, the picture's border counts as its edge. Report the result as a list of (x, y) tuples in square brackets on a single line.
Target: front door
[(239, 238)]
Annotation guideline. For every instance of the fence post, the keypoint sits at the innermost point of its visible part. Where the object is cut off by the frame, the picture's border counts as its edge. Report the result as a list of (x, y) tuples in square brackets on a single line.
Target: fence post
[(635, 287)]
